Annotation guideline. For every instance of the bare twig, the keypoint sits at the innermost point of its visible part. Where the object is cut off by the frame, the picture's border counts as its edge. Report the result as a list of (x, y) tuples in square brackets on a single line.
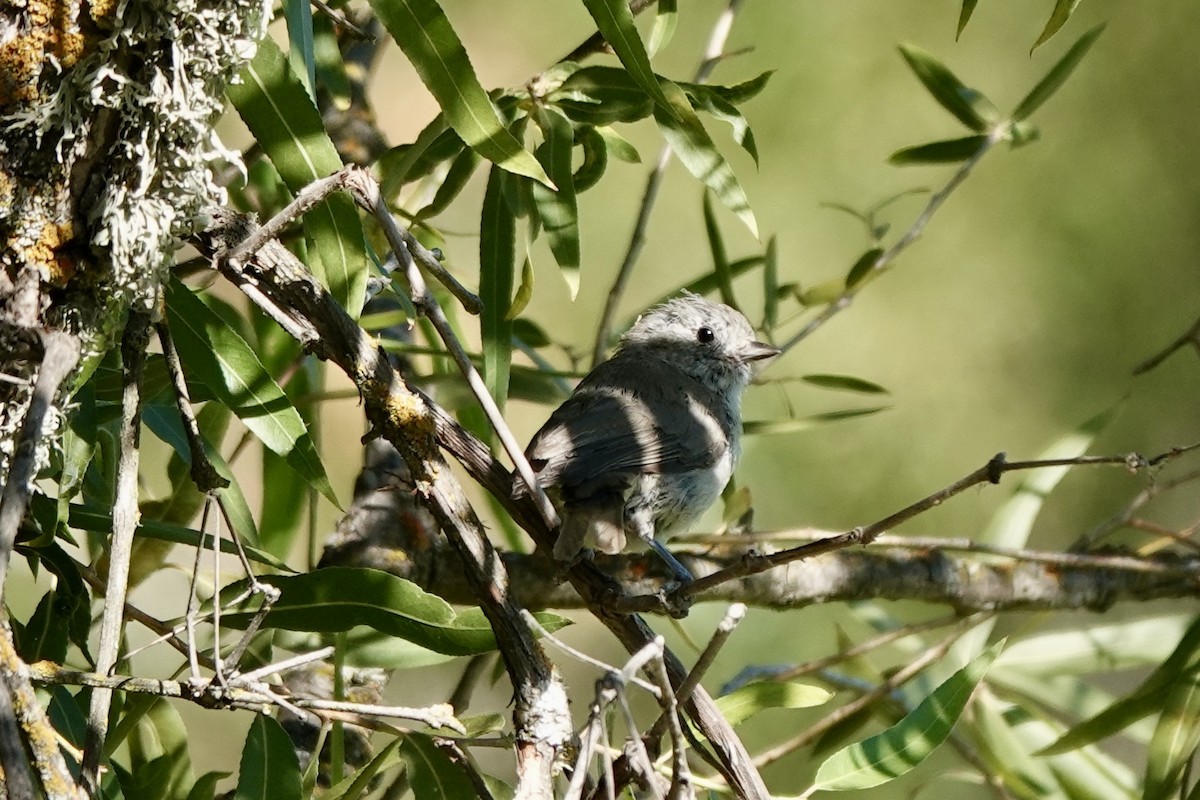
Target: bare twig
[(936, 200), (989, 473), (885, 688), (712, 55), (125, 521), (1190, 336), (60, 355)]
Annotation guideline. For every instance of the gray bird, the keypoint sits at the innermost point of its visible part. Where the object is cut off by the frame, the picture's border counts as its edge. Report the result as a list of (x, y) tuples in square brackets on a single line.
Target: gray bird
[(649, 438)]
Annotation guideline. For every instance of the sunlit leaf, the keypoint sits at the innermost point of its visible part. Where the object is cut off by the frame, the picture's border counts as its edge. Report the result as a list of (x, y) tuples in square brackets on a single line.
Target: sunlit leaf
[(285, 123), (619, 146), (1175, 739), (212, 352), (431, 44), (906, 744), (665, 21), (524, 293), (337, 599), (743, 703)]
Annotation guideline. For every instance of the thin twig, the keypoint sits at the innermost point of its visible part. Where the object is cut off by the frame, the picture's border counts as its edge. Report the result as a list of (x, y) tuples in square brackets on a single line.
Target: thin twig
[(637, 239), (125, 522), (1190, 336), (991, 472), (60, 355), (627, 672), (936, 200), (885, 688)]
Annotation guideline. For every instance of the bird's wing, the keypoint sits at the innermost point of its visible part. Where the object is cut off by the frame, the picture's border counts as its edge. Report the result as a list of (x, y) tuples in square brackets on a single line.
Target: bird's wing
[(615, 427)]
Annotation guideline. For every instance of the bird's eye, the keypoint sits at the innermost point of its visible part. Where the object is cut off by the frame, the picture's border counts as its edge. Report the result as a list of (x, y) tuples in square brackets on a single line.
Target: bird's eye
[(705, 335)]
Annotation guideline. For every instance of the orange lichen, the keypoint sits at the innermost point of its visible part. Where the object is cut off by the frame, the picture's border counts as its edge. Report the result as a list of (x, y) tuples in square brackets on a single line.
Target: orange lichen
[(51, 29)]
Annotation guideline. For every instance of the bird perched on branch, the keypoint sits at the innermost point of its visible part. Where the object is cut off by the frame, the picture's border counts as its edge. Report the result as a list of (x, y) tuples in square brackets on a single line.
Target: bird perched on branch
[(649, 438)]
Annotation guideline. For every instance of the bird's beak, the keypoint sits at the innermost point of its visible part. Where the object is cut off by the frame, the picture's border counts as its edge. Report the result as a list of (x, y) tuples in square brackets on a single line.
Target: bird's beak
[(757, 351)]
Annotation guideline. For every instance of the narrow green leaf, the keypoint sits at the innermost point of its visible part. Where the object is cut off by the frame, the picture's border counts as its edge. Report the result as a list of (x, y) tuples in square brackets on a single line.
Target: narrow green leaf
[(906, 744), (1175, 739), (298, 15), (461, 169), (330, 68), (705, 98), (950, 151), (336, 599), (673, 112), (735, 94), (273, 104), (946, 88), (771, 285), (615, 22), (523, 295), (846, 383), (619, 146), (705, 284), (743, 703), (665, 21), (1057, 75), (100, 521), (716, 246), (1063, 9), (755, 427), (1148, 698), (437, 142), (557, 210), (964, 16), (431, 773), (595, 158), (601, 96), (269, 768), (353, 787), (696, 151), (213, 353), (862, 268), (497, 242), (431, 44), (205, 788)]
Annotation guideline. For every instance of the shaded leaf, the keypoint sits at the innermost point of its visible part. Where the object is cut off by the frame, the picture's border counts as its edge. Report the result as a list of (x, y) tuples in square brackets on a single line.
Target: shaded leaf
[(437, 142), (269, 768), (951, 94), (716, 246), (764, 427), (709, 99), (735, 94), (706, 283), (602, 95), (862, 268), (557, 209), (906, 744), (214, 353), (1058, 17), (461, 169), (964, 16), (298, 15), (949, 151), (1057, 75), (497, 243), (431, 773), (284, 121), (846, 383), (338, 598), (354, 786), (524, 294), (595, 158), (743, 703), (771, 285), (431, 44)]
